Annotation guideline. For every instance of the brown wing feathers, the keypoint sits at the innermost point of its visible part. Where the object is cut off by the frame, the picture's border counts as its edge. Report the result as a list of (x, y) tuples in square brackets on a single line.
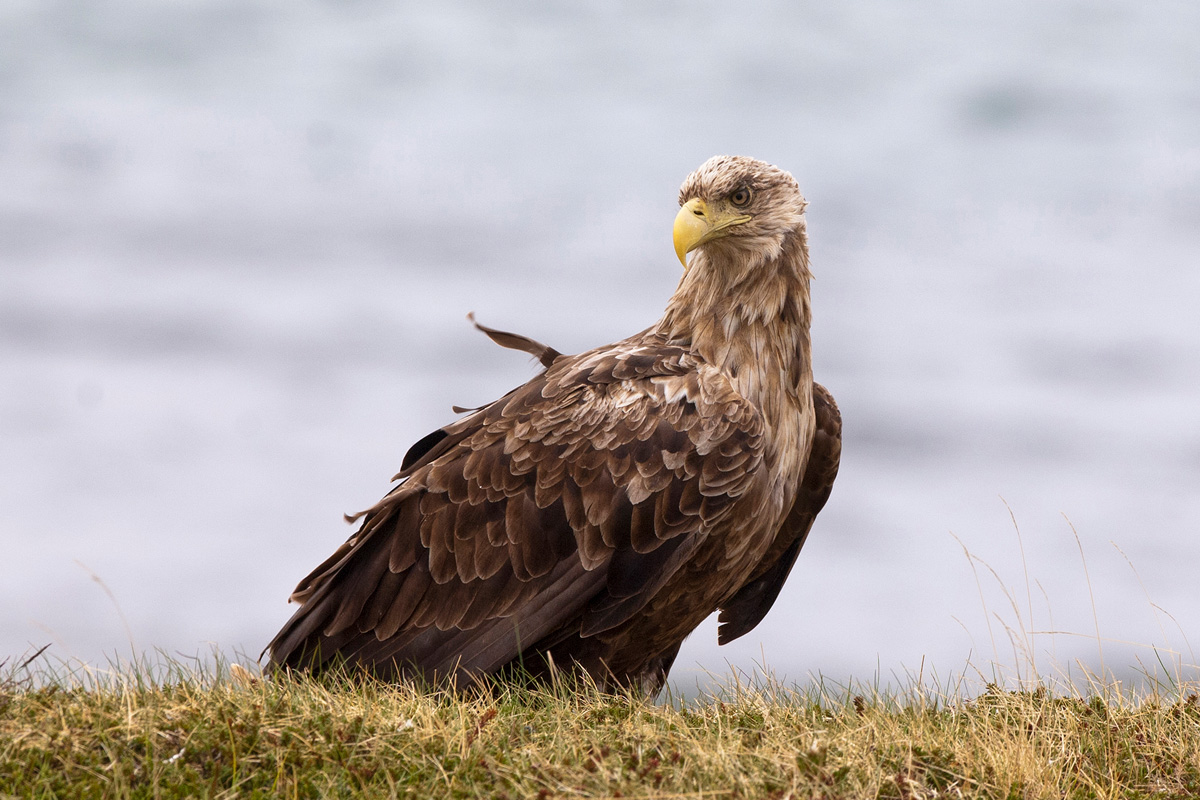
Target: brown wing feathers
[(569, 513)]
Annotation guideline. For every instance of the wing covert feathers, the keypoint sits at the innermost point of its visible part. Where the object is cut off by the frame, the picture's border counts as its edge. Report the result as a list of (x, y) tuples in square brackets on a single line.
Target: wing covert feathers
[(568, 503)]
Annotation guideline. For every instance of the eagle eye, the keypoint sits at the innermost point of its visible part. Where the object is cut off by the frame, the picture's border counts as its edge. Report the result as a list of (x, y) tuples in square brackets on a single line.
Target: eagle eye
[(740, 197)]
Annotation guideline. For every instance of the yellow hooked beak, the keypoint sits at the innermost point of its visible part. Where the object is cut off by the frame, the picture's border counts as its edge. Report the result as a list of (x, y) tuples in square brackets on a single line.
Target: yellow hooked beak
[(696, 224)]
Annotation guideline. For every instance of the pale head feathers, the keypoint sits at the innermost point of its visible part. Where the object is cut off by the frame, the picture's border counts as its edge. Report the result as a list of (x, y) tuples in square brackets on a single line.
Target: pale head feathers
[(775, 206)]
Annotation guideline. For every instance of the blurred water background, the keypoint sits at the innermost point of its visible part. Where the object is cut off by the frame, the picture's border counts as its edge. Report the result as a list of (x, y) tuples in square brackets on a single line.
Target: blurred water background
[(238, 239)]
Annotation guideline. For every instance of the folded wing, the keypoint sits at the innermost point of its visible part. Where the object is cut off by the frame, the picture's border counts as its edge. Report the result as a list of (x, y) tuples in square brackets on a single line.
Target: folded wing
[(560, 509)]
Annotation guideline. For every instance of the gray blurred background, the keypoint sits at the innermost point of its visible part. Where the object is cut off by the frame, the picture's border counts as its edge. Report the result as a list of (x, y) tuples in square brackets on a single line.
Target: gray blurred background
[(238, 240)]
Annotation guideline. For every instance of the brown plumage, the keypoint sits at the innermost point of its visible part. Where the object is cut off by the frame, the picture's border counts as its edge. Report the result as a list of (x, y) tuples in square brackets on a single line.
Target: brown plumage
[(593, 517)]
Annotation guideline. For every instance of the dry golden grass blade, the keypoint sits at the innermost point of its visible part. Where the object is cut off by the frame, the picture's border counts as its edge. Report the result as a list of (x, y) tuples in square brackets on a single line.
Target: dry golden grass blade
[(187, 733)]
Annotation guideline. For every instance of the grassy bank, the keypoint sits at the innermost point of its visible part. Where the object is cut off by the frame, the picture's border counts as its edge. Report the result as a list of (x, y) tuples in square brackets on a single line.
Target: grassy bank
[(184, 734)]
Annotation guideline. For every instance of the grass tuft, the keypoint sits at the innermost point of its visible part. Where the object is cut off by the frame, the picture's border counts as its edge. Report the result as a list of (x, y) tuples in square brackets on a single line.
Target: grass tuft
[(165, 728), (174, 730)]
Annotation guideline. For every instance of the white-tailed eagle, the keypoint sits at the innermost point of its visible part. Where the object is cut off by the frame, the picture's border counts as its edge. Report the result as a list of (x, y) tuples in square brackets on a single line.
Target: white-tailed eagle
[(593, 517)]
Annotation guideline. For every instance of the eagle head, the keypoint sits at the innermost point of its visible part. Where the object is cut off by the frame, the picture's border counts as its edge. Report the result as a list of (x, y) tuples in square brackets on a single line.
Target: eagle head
[(737, 206)]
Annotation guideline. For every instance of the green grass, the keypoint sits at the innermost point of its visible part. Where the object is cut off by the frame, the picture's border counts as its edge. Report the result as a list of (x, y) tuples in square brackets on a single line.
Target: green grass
[(175, 732), (171, 729)]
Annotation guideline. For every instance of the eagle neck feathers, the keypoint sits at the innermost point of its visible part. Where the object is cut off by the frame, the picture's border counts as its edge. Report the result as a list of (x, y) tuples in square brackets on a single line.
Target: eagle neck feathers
[(749, 318)]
